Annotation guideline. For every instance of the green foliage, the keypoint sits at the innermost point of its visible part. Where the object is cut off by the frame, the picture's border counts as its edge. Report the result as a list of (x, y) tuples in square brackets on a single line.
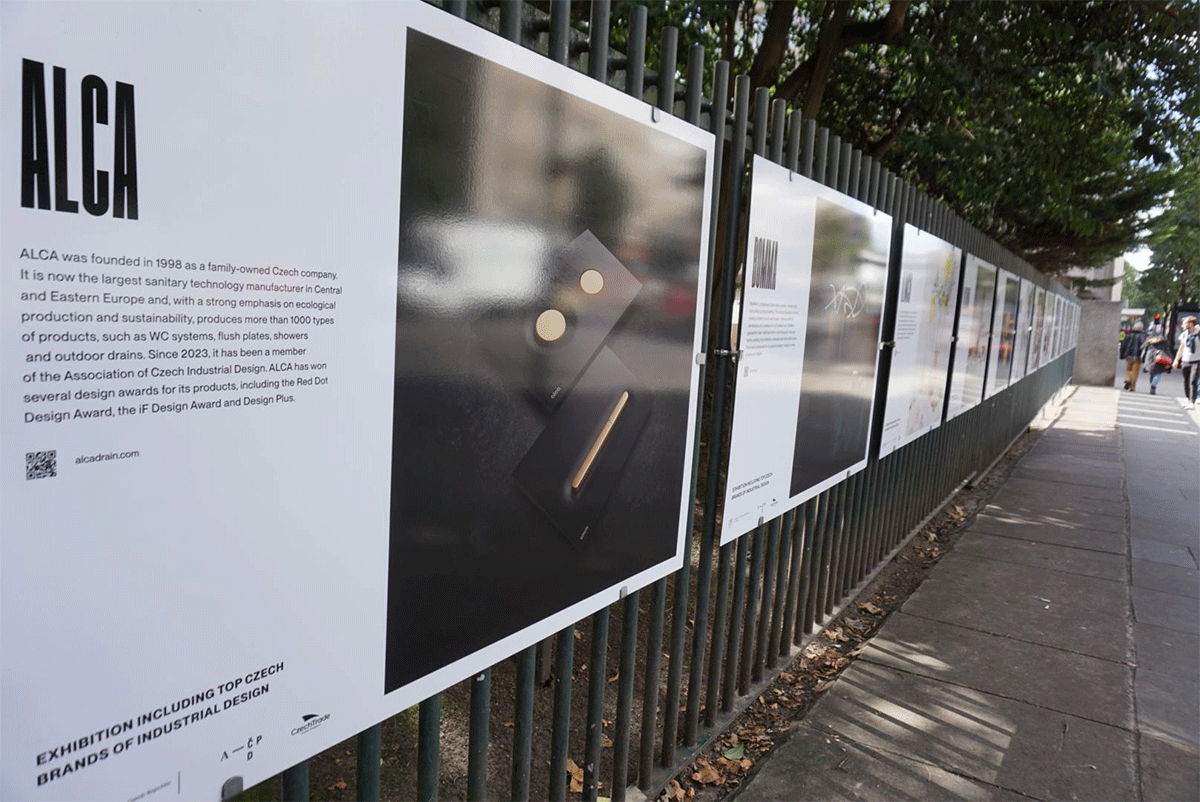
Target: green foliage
[(1174, 273), (1054, 127)]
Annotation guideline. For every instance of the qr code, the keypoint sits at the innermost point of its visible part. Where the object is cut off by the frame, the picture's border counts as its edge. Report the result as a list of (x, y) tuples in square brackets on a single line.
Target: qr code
[(40, 464)]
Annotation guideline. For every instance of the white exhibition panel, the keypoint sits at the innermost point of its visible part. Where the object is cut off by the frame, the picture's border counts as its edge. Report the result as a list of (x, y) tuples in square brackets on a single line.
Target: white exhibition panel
[(1004, 330), (974, 333), (816, 267), (1048, 328), (916, 394), (194, 586), (1037, 356), (1024, 331)]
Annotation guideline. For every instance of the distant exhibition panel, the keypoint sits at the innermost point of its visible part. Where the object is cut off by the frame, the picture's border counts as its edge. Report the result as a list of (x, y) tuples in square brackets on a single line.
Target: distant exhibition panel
[(973, 336)]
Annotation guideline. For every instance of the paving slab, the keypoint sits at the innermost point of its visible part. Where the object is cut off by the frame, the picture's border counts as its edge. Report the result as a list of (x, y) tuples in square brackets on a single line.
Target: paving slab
[(1056, 679), (1064, 519), (1165, 610), (989, 579), (1077, 471), (1145, 548), (1068, 477), (814, 766), (1168, 651), (1017, 607), (1170, 770), (1167, 578), (1167, 530), (1023, 501), (1076, 537), (989, 738), (1168, 707), (1088, 562), (1017, 486)]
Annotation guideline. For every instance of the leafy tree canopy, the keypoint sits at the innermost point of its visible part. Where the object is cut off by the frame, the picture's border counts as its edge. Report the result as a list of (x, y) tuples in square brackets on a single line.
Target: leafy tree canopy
[(1055, 127)]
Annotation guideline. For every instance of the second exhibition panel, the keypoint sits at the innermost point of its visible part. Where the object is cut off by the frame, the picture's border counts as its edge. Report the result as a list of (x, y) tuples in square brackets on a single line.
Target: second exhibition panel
[(916, 390), (812, 300)]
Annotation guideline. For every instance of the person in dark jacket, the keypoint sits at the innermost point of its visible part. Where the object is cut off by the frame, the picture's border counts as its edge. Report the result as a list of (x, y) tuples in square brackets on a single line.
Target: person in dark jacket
[(1131, 352), (1157, 346)]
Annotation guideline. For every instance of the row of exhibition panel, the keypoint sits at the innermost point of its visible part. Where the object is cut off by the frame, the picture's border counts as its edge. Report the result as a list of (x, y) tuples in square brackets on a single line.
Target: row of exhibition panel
[(550, 264)]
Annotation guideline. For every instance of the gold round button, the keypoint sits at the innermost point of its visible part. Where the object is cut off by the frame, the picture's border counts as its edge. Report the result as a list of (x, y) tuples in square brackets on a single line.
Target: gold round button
[(551, 325), (592, 281)]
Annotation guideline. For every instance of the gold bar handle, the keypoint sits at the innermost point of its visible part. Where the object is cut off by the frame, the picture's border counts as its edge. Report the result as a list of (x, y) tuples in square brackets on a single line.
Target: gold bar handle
[(594, 451)]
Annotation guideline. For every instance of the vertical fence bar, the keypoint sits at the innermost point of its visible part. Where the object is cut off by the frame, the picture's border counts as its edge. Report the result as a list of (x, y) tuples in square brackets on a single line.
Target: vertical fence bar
[(795, 124), (833, 160), (761, 642), (809, 150), (679, 610), (510, 20), (457, 7), (762, 102), (779, 117), (668, 52), (560, 30), (830, 566), (650, 686), (837, 585), (635, 71), (812, 554), (564, 662), (716, 656), (733, 216), (429, 732), (598, 41), (624, 723), (295, 783), (787, 636), (749, 611), (635, 64), (370, 745), (597, 671), (844, 171), (821, 156), (523, 724), (820, 560), (700, 631), (733, 646), (782, 588), (477, 738)]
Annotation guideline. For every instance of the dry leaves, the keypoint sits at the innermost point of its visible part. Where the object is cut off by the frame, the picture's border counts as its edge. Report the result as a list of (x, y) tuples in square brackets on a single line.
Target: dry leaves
[(708, 774), (340, 785), (870, 608), (576, 772)]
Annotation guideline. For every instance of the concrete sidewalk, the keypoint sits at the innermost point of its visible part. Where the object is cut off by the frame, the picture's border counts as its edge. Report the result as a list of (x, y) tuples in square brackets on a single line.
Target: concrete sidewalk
[(1054, 653)]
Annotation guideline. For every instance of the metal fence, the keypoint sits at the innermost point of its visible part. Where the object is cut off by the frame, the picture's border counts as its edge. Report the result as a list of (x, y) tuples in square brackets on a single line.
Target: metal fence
[(689, 652)]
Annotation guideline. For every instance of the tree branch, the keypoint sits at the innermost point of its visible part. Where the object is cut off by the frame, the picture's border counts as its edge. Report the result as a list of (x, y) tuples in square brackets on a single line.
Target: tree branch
[(769, 58)]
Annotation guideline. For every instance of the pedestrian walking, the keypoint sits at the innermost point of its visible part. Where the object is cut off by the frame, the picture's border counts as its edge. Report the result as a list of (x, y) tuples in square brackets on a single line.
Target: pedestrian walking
[(1157, 359), (1131, 352), (1188, 358)]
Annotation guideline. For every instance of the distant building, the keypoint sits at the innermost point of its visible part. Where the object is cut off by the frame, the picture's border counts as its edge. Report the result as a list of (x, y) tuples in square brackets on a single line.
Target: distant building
[(1086, 284)]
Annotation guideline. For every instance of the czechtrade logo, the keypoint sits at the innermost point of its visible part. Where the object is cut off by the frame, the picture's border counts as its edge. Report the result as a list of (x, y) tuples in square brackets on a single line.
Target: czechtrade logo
[(311, 722)]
